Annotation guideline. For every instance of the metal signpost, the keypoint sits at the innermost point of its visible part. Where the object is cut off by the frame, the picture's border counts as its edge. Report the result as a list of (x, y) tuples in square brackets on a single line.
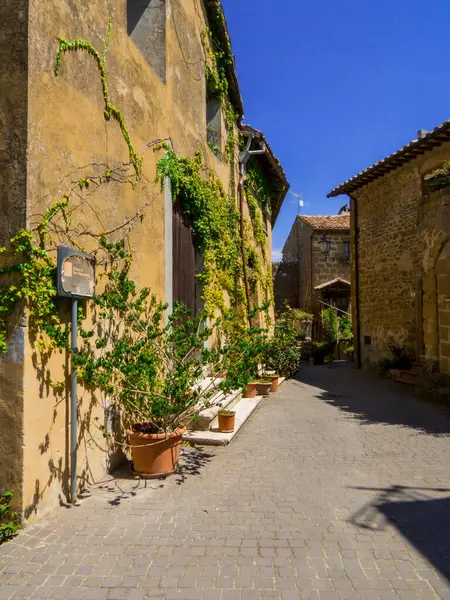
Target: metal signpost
[(76, 280)]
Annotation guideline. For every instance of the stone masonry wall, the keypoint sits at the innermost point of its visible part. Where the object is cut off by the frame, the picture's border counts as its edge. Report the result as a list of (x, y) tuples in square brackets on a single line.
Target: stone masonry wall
[(328, 266), (401, 234)]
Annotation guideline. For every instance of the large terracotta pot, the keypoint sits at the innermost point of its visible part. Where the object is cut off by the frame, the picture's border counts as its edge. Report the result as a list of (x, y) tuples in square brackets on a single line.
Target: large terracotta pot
[(155, 454), (250, 390)]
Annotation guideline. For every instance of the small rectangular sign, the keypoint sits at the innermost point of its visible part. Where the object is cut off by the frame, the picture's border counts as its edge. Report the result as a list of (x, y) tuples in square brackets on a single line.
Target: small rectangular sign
[(76, 273)]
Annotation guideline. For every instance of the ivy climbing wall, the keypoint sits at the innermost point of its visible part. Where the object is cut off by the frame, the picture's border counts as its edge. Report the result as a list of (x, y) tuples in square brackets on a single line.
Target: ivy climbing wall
[(101, 131)]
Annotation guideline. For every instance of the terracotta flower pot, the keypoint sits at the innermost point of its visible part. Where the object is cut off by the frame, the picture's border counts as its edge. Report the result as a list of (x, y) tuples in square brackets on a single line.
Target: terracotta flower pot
[(274, 385), (264, 388), (227, 423), (250, 391), (155, 454)]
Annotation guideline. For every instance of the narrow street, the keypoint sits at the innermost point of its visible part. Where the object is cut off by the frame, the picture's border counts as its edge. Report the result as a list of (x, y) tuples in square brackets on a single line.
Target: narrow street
[(338, 487)]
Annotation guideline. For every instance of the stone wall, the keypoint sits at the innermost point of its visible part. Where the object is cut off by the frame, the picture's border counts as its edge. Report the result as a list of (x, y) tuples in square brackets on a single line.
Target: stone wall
[(293, 280), (401, 233)]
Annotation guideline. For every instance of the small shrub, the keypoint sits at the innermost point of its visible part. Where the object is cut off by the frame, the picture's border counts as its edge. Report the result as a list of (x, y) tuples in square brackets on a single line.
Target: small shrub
[(320, 350), (330, 325), (9, 521), (345, 328), (399, 359)]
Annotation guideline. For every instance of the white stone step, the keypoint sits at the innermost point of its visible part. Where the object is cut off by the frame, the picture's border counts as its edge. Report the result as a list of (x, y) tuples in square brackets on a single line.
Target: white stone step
[(208, 417), (243, 409)]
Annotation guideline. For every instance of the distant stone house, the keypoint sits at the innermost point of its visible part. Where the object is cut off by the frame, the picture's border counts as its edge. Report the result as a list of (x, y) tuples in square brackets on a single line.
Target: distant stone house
[(400, 214), (315, 270)]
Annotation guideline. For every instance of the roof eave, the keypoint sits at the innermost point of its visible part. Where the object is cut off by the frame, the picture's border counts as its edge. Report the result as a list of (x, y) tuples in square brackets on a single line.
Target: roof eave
[(435, 138), (278, 173)]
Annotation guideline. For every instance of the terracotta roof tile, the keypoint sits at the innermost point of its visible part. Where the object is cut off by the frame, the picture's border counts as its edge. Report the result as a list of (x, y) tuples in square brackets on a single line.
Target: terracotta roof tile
[(424, 143), (327, 222)]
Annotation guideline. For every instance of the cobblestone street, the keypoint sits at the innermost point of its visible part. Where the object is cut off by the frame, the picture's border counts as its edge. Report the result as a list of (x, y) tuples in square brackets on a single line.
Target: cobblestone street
[(337, 487)]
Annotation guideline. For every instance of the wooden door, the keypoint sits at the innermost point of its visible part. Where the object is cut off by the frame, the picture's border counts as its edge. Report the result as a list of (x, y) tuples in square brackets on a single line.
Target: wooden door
[(183, 259)]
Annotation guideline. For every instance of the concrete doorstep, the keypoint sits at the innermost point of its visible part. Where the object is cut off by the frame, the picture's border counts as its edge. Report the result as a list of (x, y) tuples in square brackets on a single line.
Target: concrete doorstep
[(243, 409)]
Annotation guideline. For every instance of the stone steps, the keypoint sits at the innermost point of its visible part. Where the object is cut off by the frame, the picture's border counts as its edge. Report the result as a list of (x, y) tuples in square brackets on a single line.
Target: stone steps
[(208, 417), (243, 409)]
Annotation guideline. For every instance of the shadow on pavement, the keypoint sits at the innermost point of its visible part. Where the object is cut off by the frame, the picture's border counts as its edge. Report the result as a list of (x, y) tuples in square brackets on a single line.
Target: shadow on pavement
[(423, 520), (371, 399)]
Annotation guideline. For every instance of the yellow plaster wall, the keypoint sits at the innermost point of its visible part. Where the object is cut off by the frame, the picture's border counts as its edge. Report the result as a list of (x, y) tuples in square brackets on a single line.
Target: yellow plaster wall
[(69, 139)]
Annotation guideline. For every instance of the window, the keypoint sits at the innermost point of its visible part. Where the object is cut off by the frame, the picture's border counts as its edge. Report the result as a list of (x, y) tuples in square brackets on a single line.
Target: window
[(146, 26), (347, 251), (214, 124)]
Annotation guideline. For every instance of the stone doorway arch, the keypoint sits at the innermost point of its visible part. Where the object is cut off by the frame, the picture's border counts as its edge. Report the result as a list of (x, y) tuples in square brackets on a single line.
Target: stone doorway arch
[(443, 306)]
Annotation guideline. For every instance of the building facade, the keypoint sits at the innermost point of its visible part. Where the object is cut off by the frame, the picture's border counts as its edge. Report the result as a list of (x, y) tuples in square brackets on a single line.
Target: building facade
[(400, 212), (92, 135), (315, 269)]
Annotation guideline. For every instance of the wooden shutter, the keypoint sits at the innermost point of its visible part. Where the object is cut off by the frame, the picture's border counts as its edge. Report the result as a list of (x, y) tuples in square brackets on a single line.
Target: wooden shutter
[(183, 259)]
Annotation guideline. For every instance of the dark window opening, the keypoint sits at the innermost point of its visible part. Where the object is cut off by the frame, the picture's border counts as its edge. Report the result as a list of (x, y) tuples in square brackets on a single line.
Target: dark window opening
[(146, 26), (214, 124), (347, 251), (368, 340), (185, 262)]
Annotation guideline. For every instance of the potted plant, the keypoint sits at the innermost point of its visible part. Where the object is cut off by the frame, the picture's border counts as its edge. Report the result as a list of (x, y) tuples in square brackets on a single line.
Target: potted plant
[(250, 390), (227, 419), (319, 351), (152, 367), (263, 387), (273, 382)]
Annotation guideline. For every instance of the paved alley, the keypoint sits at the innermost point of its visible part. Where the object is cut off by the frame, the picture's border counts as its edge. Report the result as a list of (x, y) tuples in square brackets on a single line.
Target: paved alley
[(337, 488)]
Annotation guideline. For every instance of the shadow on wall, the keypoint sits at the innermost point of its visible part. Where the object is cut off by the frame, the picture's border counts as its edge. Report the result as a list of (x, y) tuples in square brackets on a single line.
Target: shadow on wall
[(423, 520), (370, 399)]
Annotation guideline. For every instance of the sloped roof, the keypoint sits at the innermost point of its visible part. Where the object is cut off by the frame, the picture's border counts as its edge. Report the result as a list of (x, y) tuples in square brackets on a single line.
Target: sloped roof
[(327, 222), (275, 171), (336, 281), (438, 136)]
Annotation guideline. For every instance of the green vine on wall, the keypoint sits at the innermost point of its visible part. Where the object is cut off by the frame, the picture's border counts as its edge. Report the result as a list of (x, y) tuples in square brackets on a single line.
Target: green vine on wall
[(110, 111), (30, 274), (217, 82), (215, 221)]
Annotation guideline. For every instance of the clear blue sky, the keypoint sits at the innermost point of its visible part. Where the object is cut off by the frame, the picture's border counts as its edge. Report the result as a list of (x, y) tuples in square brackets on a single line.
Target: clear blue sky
[(338, 84)]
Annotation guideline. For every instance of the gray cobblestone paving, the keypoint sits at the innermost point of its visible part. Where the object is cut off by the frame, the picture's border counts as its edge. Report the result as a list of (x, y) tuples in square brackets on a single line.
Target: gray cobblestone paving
[(337, 488)]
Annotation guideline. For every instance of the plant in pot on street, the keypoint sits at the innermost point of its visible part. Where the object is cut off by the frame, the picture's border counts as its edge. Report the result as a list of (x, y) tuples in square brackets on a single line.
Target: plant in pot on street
[(152, 366), (320, 351), (227, 421), (282, 353)]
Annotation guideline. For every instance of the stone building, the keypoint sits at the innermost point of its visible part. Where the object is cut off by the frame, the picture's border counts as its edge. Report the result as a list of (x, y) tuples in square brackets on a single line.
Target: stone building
[(400, 214), (315, 270), (64, 137)]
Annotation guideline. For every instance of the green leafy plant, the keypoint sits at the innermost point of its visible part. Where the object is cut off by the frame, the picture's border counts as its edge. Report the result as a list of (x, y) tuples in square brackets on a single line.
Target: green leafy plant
[(399, 359), (345, 330), (9, 520), (152, 365), (320, 351), (28, 278), (330, 325), (110, 111), (282, 353)]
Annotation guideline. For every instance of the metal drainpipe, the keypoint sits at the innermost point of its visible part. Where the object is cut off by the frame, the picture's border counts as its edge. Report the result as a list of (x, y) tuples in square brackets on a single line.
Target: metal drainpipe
[(244, 157), (357, 336)]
